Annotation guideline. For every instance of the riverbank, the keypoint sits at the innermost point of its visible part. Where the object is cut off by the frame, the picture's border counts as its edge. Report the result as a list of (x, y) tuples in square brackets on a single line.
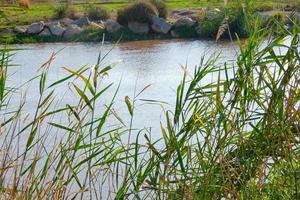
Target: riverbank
[(65, 24)]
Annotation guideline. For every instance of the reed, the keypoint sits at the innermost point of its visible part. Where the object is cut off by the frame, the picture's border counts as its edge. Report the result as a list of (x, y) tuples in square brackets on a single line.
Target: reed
[(236, 137)]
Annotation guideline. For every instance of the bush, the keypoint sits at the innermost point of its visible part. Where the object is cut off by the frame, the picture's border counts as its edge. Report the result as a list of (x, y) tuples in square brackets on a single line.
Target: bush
[(238, 22), (161, 8), (210, 24), (97, 13), (66, 11), (139, 11)]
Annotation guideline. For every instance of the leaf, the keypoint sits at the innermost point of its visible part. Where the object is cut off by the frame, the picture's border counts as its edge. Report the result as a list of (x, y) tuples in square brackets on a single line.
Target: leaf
[(83, 96), (129, 105)]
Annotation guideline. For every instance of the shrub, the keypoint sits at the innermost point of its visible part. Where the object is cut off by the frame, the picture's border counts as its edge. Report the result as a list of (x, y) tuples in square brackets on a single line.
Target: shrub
[(161, 8), (210, 24), (66, 11), (139, 11), (97, 13), (121, 17), (238, 22)]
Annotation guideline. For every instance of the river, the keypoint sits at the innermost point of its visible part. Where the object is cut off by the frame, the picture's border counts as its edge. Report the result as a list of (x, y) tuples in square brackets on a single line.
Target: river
[(141, 63)]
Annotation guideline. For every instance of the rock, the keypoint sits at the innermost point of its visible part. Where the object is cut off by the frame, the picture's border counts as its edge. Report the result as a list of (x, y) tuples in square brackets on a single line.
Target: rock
[(20, 30), (72, 30), (289, 8), (45, 33), (66, 21), (56, 28), (36, 28), (82, 21), (193, 14), (112, 26), (184, 21), (159, 25), (213, 15), (140, 28)]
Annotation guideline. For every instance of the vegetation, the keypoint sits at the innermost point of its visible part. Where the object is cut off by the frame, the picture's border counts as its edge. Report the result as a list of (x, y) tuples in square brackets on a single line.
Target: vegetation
[(161, 7), (140, 11), (66, 11), (97, 13), (236, 137)]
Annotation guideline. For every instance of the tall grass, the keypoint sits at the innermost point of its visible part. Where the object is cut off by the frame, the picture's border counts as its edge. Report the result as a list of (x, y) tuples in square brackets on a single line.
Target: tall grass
[(236, 137)]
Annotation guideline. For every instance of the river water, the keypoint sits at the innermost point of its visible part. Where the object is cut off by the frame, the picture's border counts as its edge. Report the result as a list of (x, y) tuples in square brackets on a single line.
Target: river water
[(141, 63)]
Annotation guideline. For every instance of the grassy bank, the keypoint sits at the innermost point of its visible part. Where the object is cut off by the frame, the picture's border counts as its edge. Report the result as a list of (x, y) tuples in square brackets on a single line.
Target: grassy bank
[(36, 12), (236, 137)]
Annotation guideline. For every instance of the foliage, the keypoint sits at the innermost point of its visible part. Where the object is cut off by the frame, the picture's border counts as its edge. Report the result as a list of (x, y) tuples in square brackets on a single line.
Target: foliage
[(140, 11), (161, 7), (97, 13), (66, 11), (210, 24), (185, 32)]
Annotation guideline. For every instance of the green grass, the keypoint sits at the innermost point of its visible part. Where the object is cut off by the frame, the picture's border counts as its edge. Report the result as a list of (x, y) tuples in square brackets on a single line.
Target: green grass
[(19, 16)]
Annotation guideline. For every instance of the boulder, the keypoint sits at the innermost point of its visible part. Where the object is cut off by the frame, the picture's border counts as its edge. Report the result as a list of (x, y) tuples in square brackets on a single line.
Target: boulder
[(82, 21), (193, 14), (184, 21), (212, 15), (140, 28), (45, 33), (72, 30), (112, 26), (56, 28), (20, 30), (66, 21), (36, 28), (160, 25)]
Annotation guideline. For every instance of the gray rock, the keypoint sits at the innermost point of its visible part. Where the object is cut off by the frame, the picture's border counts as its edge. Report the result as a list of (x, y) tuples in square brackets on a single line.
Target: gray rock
[(36, 28), (184, 21), (112, 26), (185, 13), (140, 28), (82, 21), (72, 30), (160, 25), (20, 30), (45, 33), (56, 28), (66, 21), (213, 15)]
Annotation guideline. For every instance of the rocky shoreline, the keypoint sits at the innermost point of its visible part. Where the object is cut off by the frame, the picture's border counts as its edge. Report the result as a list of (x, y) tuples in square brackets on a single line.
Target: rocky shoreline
[(181, 24)]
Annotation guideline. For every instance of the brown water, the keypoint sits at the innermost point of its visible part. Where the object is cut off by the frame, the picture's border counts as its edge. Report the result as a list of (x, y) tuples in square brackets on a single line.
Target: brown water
[(156, 63)]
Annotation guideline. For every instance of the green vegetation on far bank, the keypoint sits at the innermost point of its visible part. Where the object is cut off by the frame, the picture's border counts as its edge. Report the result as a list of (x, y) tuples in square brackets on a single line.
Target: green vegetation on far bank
[(20, 16), (232, 17)]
